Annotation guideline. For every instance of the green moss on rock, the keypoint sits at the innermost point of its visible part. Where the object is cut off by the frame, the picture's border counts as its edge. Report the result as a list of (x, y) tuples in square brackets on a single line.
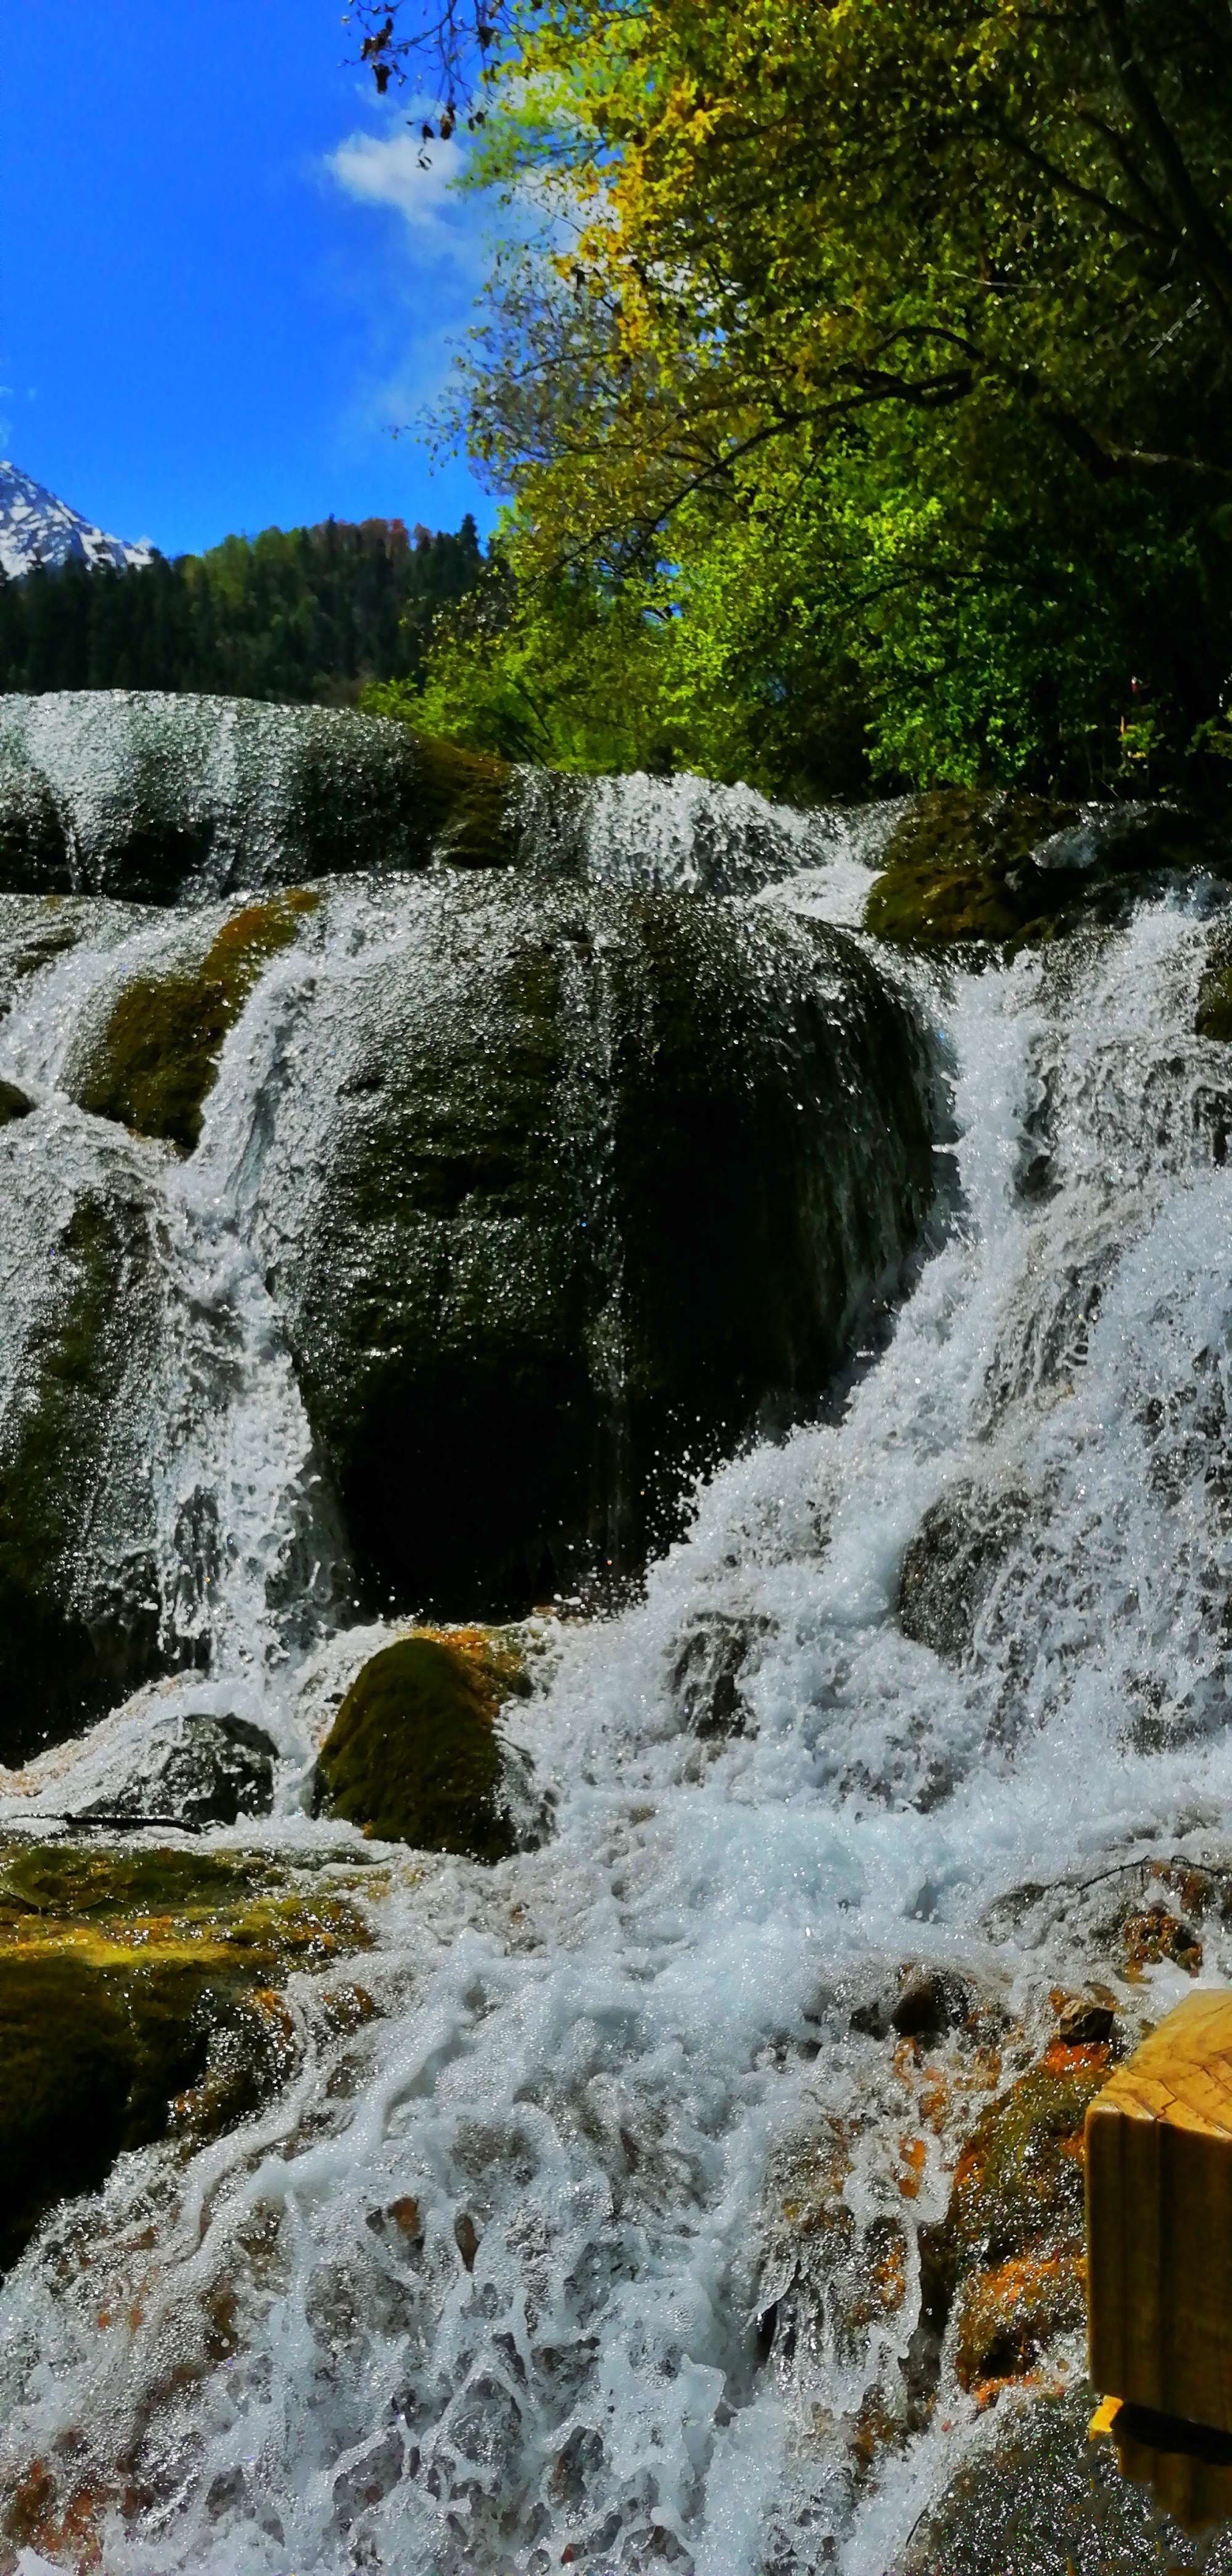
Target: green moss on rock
[(965, 867), (1036, 2497), (467, 804), (158, 1057), (415, 1753), (937, 907), (964, 828), (949, 865), (1018, 2186), (139, 1992)]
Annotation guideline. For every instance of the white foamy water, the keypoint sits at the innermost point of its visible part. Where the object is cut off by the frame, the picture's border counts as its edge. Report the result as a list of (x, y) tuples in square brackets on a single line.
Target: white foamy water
[(686, 834), (597, 2068)]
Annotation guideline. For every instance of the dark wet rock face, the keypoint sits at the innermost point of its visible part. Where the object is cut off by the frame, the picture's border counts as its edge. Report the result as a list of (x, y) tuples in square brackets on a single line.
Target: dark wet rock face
[(164, 799), (84, 1316), (13, 1103), (952, 1563), (196, 1770), (417, 1754), (607, 1180), (709, 1676), (138, 1992), (924, 2004), (1213, 1018), (1036, 2498)]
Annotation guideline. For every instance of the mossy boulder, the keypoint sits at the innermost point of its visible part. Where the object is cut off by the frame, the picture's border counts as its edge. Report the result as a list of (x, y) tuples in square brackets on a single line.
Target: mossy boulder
[(1018, 2185), (163, 798), (963, 866), (949, 867), (157, 1058), (600, 1183), (82, 1618), (416, 1753), (1009, 2251), (139, 1992)]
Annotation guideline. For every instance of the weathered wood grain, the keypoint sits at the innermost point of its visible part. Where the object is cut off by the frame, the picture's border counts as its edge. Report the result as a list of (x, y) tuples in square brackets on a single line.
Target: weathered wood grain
[(1159, 2220)]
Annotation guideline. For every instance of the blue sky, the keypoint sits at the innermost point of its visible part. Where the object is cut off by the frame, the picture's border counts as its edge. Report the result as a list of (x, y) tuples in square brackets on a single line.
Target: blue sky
[(222, 274)]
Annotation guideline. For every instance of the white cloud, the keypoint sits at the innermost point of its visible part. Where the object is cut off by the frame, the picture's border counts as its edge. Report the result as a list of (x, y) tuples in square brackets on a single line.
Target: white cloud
[(416, 180), (427, 252)]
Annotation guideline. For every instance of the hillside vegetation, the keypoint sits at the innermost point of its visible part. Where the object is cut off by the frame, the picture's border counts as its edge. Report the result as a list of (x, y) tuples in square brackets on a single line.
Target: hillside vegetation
[(302, 614)]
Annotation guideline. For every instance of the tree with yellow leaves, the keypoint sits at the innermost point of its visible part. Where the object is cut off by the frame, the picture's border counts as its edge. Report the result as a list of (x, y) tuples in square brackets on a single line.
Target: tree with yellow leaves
[(880, 352)]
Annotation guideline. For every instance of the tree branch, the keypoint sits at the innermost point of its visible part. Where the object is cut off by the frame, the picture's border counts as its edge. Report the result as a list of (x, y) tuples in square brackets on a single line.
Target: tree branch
[(1207, 247)]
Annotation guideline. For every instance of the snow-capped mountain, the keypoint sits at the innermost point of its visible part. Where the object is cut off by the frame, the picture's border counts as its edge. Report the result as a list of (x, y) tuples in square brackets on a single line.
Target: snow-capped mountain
[(35, 528)]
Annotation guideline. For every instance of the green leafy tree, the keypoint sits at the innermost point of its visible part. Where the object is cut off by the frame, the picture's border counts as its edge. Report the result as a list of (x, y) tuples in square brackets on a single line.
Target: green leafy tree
[(874, 370)]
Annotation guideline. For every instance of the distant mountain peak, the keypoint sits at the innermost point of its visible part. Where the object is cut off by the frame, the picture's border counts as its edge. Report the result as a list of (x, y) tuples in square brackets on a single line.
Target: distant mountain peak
[(36, 528)]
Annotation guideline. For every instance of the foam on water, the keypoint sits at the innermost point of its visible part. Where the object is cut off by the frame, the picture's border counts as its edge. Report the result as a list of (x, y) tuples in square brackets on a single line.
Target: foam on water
[(686, 833), (594, 2065)]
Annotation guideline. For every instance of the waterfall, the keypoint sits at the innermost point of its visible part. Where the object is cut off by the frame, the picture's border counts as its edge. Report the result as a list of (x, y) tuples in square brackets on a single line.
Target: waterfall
[(595, 2069)]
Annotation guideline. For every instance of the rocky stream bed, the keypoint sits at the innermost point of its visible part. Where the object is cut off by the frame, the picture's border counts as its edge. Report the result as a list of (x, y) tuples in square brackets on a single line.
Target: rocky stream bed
[(615, 1559)]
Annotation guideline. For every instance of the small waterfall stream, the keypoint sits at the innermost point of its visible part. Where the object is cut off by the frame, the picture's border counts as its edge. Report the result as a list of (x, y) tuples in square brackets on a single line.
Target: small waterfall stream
[(599, 2070)]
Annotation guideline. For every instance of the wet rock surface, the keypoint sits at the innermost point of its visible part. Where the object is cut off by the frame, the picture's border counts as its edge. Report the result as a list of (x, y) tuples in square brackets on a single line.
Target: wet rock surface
[(152, 1065), (966, 867), (607, 1181), (171, 799), (140, 1991), (1009, 2250), (1039, 2499), (417, 1753), (1213, 1017), (13, 1103), (84, 1321), (925, 2003), (197, 1769), (1127, 1918), (952, 1563), (710, 1673)]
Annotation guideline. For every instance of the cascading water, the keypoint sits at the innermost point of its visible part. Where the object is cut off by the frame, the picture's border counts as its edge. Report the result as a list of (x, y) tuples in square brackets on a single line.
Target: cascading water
[(564, 2256)]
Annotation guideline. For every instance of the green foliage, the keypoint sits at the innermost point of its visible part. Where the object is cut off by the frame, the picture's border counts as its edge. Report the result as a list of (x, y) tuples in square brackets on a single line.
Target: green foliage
[(873, 426), (564, 671), (306, 614)]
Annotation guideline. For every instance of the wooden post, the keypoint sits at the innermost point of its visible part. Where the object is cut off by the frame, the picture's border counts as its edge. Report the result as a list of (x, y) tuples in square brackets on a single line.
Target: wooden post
[(1159, 2260), (1159, 2220)]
